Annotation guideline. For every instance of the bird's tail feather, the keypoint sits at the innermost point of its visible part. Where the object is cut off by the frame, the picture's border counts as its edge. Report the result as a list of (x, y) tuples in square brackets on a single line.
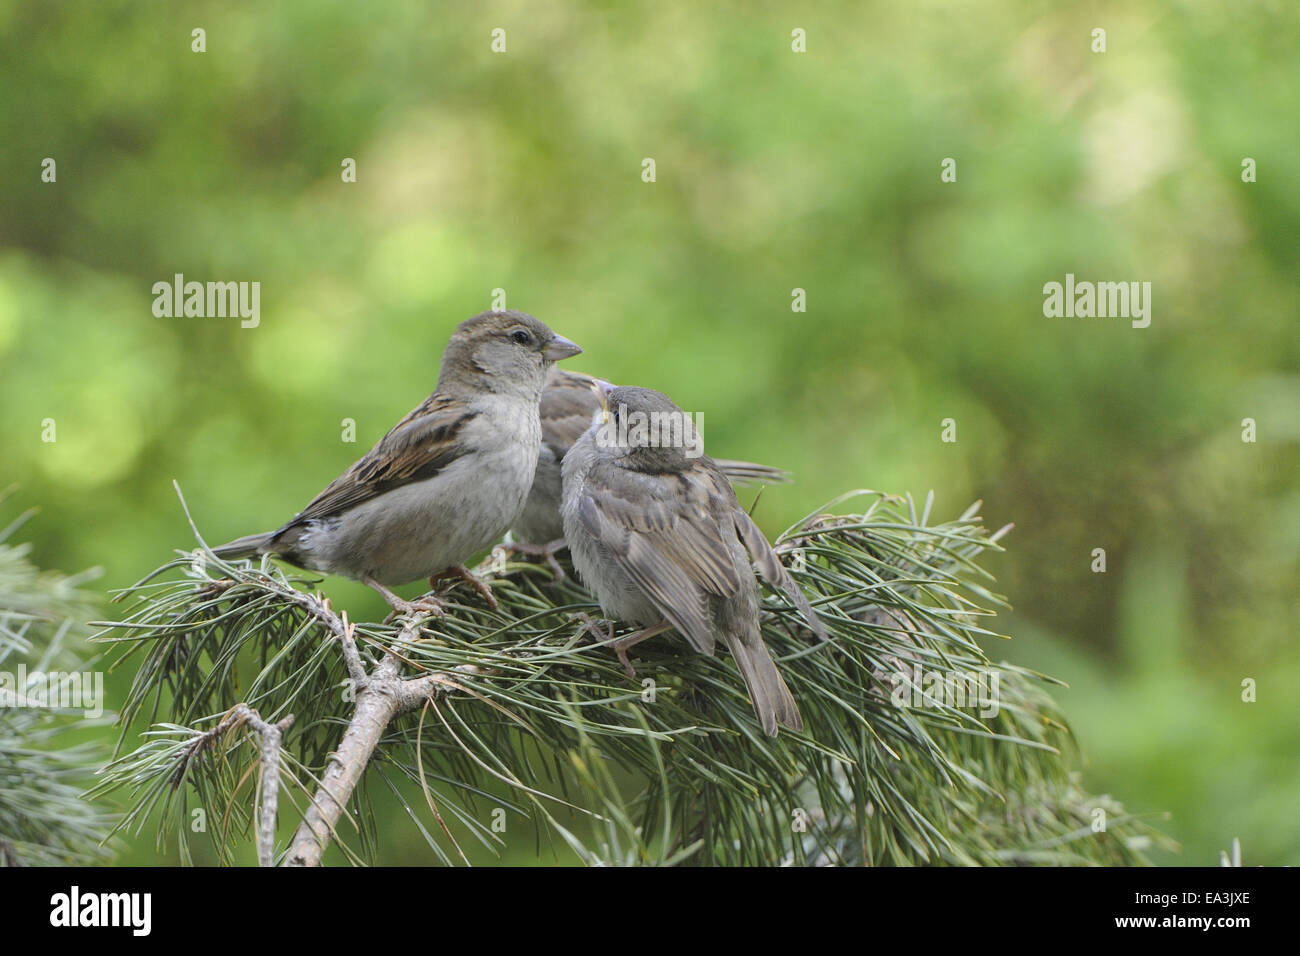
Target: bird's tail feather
[(774, 572), (748, 472), (246, 547), (772, 700)]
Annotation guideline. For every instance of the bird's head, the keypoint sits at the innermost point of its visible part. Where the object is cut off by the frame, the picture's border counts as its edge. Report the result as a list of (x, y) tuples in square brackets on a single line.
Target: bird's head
[(644, 430), (503, 352)]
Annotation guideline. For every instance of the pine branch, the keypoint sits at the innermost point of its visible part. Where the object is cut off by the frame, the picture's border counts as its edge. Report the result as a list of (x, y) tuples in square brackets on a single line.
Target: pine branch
[(271, 736), (897, 764), (381, 696), (43, 819)]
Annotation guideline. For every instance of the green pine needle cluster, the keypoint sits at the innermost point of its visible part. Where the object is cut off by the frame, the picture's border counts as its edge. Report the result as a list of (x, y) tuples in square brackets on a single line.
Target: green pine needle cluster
[(43, 819), (538, 730)]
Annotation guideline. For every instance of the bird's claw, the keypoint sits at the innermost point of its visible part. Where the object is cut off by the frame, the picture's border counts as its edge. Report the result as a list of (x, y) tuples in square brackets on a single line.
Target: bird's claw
[(592, 628), (477, 583), (627, 664), (427, 606), (606, 637), (546, 551)]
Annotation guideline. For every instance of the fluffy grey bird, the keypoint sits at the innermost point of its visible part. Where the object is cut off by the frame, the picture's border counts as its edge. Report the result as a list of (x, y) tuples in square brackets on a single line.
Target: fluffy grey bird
[(568, 403), (661, 540), (446, 481)]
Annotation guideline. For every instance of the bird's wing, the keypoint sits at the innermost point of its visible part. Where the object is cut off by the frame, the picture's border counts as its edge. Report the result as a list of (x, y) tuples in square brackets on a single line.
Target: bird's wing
[(416, 448), (567, 405), (771, 568), (666, 534)]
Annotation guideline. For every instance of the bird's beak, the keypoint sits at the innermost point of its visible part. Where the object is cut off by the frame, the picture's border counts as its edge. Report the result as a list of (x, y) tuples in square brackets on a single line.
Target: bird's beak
[(560, 348), (602, 389)]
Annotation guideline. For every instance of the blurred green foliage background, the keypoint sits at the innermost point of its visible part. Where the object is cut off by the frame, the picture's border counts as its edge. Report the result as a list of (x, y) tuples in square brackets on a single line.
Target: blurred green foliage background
[(776, 170)]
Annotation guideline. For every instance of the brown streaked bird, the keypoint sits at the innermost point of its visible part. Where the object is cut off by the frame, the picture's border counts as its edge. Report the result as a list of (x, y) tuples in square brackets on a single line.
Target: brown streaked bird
[(568, 403), (445, 482), (662, 541)]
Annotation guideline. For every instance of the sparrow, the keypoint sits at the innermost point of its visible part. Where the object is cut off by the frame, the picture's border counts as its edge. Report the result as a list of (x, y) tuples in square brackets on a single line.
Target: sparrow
[(662, 541), (568, 403), (445, 482)]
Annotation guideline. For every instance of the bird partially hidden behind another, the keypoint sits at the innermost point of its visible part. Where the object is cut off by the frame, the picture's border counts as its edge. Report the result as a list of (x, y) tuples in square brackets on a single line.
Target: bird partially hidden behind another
[(568, 403), (661, 540), (445, 482)]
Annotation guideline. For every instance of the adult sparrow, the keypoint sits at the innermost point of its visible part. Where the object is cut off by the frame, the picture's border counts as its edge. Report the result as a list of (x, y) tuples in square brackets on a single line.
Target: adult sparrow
[(661, 540), (446, 481), (568, 403)]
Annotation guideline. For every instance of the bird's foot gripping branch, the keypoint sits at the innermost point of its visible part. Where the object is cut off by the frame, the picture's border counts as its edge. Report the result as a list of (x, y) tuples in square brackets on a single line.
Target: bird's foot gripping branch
[(267, 707)]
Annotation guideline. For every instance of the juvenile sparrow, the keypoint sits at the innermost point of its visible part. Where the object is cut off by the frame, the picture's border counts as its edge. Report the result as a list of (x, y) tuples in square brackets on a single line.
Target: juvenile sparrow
[(661, 540), (446, 481), (568, 403)]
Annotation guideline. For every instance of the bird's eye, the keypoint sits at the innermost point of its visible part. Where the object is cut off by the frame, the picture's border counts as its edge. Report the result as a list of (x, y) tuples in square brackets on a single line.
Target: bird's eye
[(522, 337)]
